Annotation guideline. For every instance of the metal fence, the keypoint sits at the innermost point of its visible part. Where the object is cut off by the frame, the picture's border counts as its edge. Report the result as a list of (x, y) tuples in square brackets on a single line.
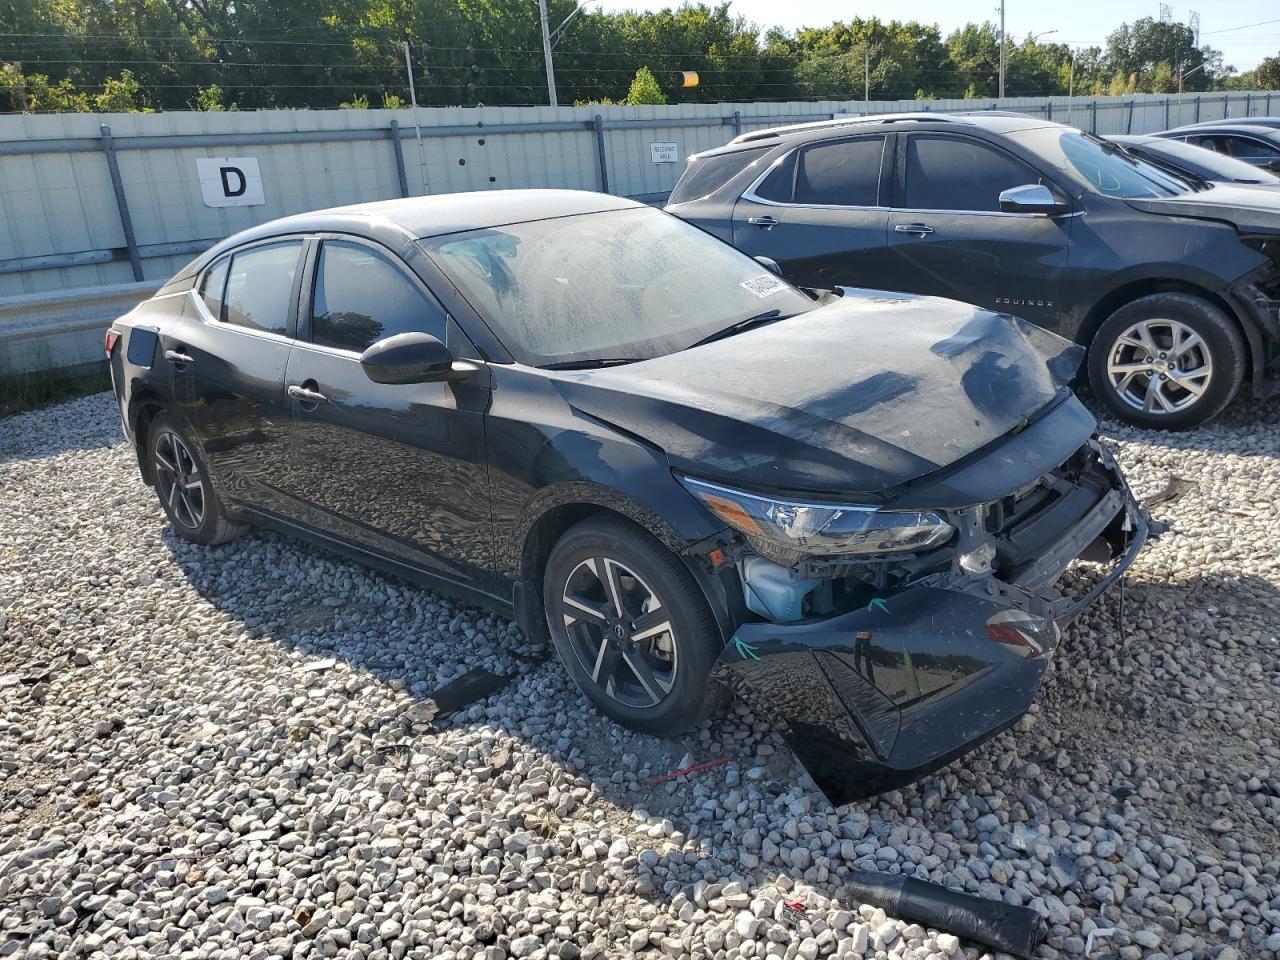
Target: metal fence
[(89, 200)]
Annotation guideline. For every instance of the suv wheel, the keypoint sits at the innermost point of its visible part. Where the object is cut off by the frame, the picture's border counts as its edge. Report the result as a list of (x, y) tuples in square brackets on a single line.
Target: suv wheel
[(1167, 360), (632, 627), (184, 486)]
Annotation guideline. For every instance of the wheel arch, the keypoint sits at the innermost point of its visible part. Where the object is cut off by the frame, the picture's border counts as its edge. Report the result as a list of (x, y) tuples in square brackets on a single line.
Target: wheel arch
[(144, 407), (566, 508), (1137, 289)]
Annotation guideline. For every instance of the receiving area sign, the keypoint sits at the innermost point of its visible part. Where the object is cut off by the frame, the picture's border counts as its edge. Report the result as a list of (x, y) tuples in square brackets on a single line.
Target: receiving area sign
[(230, 181)]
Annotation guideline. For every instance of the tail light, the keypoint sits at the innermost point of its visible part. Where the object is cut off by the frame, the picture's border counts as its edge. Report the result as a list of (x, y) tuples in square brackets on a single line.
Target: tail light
[(110, 345)]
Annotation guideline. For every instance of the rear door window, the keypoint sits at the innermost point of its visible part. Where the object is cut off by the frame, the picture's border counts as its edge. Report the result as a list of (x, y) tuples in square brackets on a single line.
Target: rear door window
[(360, 297), (953, 173), (260, 286), (842, 173)]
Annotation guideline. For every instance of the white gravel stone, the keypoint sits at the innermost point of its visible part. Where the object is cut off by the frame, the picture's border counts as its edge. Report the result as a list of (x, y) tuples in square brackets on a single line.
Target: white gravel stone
[(202, 758)]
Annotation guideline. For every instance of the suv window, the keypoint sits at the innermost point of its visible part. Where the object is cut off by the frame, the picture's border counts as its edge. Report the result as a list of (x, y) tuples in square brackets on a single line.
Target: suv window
[(213, 285), (949, 173), (844, 173), (780, 184), (1250, 150), (705, 175), (260, 285), (360, 297)]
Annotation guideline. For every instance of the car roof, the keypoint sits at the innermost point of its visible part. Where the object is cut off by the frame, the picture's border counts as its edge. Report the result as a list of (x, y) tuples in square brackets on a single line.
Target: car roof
[(443, 213), (995, 121), (392, 222), (1226, 126), (1251, 121)]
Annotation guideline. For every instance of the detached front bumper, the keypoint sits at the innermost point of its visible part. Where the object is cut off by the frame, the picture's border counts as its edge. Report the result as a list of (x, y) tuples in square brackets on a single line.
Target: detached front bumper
[(877, 697)]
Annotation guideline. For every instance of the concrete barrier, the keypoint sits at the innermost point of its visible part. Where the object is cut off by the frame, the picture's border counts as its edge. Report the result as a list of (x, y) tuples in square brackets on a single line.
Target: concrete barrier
[(65, 328)]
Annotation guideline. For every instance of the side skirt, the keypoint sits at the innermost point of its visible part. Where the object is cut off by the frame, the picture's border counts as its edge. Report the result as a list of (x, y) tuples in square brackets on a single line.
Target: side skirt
[(415, 575)]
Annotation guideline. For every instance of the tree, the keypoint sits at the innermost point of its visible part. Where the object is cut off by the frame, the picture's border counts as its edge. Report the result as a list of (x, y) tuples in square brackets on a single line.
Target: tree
[(122, 94), (1135, 50), (1267, 74), (645, 89)]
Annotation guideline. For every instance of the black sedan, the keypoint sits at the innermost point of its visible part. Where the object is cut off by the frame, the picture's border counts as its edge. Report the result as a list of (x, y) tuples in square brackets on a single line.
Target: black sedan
[(641, 443), (1185, 160)]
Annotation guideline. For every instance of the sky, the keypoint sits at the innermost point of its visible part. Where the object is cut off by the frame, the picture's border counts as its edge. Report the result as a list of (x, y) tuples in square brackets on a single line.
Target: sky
[(1080, 22)]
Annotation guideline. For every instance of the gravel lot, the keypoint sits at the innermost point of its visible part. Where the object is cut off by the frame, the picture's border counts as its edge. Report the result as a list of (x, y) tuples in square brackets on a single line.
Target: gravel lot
[(216, 753)]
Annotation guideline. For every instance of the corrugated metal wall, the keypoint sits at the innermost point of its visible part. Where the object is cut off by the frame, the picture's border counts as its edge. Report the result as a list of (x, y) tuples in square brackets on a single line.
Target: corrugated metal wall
[(54, 204)]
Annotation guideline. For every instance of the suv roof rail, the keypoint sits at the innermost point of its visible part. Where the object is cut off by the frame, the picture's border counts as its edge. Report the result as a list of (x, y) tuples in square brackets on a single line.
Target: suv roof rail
[(771, 132)]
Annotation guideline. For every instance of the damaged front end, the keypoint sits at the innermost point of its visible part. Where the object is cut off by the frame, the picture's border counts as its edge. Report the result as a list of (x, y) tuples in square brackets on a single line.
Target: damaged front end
[(932, 634)]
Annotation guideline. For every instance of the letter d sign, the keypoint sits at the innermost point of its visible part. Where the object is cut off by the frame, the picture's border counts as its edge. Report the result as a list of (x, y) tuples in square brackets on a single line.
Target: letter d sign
[(230, 181)]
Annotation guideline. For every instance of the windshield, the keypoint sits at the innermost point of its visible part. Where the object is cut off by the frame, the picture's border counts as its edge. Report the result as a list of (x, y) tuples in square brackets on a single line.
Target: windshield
[(1104, 170), (1208, 163), (620, 285)]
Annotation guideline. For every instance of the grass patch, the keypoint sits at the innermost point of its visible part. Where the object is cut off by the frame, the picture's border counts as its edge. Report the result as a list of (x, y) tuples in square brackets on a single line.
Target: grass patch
[(20, 392)]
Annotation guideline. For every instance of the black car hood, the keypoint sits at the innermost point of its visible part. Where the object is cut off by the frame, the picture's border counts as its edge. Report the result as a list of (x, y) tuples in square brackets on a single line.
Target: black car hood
[(1251, 208), (857, 396)]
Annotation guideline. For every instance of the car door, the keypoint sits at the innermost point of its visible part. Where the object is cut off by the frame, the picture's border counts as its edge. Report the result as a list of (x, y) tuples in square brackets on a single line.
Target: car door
[(818, 212), (228, 356), (949, 238), (396, 469)]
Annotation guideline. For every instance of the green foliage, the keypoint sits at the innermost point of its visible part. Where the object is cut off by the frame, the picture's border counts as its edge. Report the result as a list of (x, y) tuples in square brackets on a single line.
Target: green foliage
[(645, 89), (122, 94), (358, 102), (1267, 75), (245, 54), (210, 99)]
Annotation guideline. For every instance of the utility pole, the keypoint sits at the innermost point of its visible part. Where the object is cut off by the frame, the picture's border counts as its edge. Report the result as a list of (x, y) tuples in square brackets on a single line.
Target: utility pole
[(1001, 49), (866, 78), (546, 54), (417, 126)]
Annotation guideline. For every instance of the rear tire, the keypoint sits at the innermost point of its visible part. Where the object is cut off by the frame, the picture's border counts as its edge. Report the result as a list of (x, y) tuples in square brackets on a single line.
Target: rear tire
[(632, 627), (1168, 360), (185, 487)]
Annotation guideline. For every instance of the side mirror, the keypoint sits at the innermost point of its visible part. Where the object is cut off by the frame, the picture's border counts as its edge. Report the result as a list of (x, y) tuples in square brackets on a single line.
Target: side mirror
[(1032, 198), (408, 358), (769, 264), (1273, 166)]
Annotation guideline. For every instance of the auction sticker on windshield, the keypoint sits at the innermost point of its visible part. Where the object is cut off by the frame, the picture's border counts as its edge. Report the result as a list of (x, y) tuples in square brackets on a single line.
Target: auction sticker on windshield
[(764, 285)]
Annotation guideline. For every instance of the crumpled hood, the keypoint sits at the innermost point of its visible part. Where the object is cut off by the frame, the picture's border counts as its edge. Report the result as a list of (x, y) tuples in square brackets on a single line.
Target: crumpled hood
[(1251, 209), (856, 396)]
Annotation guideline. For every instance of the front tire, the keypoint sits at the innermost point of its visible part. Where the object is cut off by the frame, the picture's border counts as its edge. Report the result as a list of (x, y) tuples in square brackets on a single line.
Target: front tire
[(185, 487), (632, 627), (1168, 360)]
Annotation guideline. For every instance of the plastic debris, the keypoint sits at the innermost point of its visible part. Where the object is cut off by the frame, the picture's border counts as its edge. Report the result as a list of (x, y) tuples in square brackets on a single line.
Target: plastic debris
[(1008, 928)]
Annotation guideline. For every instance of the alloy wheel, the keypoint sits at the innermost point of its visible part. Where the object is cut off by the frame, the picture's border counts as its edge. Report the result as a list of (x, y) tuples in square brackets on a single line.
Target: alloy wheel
[(1160, 366), (620, 631), (179, 480)]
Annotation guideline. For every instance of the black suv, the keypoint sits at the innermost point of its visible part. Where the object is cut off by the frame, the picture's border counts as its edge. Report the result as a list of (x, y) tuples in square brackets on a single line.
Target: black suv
[(1173, 285)]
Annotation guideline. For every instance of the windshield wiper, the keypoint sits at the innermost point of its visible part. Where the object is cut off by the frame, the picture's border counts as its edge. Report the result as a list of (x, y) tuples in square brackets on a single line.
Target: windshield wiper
[(769, 316), (590, 364)]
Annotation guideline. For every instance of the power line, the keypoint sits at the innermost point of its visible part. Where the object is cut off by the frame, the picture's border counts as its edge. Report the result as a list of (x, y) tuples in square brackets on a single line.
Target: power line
[(1260, 23)]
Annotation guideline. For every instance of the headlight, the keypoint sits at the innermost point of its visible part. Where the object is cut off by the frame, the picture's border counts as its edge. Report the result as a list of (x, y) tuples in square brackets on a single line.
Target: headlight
[(786, 530)]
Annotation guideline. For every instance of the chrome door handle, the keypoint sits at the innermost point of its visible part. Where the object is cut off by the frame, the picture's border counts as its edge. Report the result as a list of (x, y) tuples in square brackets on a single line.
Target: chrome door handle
[(177, 356), (305, 395), (915, 229), (765, 222)]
